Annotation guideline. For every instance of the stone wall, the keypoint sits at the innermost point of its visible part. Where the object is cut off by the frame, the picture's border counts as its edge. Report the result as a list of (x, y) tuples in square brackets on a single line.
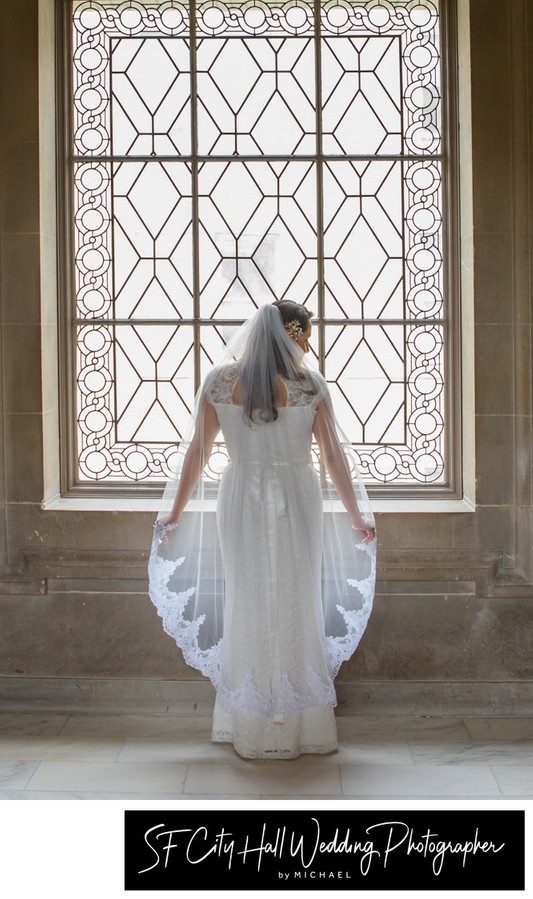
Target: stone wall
[(451, 631)]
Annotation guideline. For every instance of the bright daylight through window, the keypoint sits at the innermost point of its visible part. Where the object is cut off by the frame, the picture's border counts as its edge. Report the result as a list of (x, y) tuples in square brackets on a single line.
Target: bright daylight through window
[(228, 154)]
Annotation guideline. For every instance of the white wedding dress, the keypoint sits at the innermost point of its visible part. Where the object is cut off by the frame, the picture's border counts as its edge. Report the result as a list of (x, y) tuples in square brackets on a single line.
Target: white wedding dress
[(265, 644), (274, 657)]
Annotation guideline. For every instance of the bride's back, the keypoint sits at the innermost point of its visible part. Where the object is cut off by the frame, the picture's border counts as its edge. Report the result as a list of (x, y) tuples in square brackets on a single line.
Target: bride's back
[(287, 440)]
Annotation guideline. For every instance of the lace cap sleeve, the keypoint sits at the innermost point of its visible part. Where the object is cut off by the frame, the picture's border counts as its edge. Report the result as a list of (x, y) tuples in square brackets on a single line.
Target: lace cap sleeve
[(308, 393), (321, 388), (220, 382)]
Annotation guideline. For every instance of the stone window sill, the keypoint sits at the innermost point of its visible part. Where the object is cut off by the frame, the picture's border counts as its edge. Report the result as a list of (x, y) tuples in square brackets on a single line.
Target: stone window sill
[(151, 504)]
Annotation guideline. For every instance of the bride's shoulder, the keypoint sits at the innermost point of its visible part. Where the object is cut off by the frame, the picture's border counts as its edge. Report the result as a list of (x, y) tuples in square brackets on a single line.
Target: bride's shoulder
[(220, 382), (318, 379), (307, 390), (320, 385)]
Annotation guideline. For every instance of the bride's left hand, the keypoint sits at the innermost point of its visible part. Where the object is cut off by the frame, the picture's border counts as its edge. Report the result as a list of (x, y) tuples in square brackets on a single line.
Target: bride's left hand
[(368, 533), (168, 520)]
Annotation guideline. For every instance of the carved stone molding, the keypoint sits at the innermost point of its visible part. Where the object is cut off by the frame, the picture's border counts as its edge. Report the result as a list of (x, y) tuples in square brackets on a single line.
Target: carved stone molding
[(196, 697), (54, 570)]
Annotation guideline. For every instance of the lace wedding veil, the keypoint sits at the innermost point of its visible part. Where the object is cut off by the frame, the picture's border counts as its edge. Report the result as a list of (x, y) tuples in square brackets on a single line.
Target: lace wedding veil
[(186, 570)]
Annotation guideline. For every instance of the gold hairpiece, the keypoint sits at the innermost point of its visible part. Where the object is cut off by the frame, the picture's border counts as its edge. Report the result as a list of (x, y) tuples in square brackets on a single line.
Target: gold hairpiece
[(293, 328)]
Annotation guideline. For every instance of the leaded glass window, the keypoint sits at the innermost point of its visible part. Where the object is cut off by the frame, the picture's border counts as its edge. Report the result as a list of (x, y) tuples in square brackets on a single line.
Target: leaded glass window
[(228, 153)]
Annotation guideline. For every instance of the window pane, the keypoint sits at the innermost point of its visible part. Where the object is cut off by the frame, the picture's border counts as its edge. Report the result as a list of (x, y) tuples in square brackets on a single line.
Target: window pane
[(256, 96), (387, 384), (362, 110), (382, 240), (153, 240), (150, 97), (363, 239), (135, 396), (131, 78), (381, 77), (93, 244), (258, 236)]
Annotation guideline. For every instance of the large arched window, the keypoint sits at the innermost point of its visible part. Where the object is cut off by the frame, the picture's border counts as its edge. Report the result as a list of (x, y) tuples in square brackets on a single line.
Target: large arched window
[(228, 153)]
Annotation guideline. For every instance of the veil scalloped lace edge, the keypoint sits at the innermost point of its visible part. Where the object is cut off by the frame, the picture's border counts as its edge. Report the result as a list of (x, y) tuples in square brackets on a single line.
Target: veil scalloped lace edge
[(171, 606)]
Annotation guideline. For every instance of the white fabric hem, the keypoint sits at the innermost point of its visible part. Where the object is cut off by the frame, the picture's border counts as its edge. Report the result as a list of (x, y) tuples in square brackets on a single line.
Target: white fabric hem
[(306, 749)]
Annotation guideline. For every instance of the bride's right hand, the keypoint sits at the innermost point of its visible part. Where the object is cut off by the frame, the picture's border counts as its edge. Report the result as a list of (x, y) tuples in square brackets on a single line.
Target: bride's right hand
[(163, 524)]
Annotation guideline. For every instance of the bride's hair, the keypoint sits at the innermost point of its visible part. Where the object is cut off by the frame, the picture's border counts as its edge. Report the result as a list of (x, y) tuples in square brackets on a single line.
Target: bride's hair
[(294, 312), (270, 354), (290, 312)]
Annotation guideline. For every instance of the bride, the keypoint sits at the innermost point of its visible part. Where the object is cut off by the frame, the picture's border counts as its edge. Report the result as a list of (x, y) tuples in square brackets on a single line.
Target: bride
[(264, 573)]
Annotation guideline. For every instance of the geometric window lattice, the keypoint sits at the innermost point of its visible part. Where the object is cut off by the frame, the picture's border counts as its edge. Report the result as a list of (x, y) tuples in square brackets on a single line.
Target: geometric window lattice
[(226, 154)]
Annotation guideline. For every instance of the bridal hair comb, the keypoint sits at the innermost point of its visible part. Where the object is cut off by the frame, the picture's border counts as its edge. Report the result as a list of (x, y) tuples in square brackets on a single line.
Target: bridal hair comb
[(293, 328)]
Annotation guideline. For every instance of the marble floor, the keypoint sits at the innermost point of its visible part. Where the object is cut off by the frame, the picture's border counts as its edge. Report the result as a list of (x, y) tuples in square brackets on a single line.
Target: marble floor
[(54, 756)]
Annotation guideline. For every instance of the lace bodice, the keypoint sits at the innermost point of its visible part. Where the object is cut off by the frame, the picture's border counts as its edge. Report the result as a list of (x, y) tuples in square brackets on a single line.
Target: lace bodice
[(287, 441), (221, 382)]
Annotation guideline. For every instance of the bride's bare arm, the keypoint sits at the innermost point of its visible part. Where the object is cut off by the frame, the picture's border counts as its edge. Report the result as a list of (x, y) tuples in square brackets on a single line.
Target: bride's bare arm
[(196, 457), (337, 466)]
